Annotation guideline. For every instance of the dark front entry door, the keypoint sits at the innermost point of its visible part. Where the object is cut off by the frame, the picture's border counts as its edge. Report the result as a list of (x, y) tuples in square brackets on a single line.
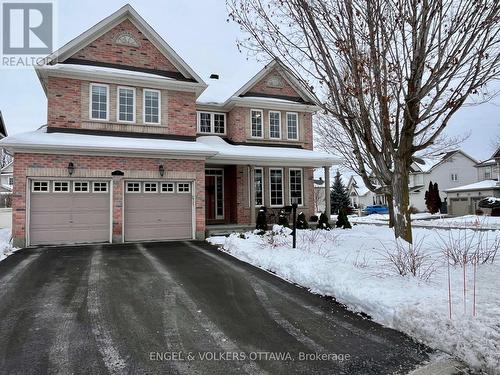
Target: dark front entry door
[(210, 197)]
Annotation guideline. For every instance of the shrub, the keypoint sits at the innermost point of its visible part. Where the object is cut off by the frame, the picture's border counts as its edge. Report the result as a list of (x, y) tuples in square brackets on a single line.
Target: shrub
[(283, 219), (261, 224), (302, 222), (323, 222), (314, 219), (342, 220)]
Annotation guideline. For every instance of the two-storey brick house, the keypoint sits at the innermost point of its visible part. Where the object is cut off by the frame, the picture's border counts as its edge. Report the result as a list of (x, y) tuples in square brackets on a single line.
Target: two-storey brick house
[(128, 154)]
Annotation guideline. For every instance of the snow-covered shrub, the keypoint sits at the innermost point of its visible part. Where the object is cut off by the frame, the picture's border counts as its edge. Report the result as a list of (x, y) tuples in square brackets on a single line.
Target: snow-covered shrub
[(279, 236), (317, 241), (323, 222), (302, 222), (408, 259), (466, 246), (283, 219), (360, 262)]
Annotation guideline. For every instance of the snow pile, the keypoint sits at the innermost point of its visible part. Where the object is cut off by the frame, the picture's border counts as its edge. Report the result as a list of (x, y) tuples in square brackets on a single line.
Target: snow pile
[(467, 221), (6, 248), (349, 265)]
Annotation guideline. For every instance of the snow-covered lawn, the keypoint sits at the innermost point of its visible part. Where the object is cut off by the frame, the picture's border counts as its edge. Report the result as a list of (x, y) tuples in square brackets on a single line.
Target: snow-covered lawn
[(6, 248), (436, 220), (350, 265)]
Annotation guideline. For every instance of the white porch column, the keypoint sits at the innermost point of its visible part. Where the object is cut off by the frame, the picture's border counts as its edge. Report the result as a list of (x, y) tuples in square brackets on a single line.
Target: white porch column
[(328, 206), (251, 176)]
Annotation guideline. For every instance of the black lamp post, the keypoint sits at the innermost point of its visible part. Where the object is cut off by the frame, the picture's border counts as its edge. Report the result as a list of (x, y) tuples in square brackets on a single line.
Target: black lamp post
[(71, 168), (294, 218), (161, 169)]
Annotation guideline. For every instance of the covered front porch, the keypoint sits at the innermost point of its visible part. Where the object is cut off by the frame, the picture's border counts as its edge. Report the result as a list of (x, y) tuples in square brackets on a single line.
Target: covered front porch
[(242, 179)]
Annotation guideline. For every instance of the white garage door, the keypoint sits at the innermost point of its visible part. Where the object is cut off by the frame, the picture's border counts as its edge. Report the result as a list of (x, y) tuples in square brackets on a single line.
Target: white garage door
[(156, 211), (69, 212), (459, 206)]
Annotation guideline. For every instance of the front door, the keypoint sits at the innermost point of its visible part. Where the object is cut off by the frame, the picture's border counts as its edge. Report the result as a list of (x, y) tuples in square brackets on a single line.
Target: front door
[(214, 194)]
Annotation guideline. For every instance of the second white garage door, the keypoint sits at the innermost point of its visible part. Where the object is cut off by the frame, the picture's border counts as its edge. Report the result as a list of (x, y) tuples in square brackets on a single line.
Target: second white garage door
[(156, 211)]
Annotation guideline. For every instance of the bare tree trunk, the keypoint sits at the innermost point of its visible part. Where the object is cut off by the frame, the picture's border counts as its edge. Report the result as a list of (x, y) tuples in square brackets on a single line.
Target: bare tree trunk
[(390, 205), (401, 202)]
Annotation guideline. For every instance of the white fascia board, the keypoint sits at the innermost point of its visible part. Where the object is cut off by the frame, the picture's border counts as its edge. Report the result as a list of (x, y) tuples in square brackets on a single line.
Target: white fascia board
[(105, 151), (118, 78), (270, 104), (277, 161)]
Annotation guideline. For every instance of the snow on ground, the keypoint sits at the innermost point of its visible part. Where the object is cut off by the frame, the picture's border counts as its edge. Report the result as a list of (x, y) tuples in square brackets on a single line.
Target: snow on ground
[(350, 265), (6, 248), (436, 220)]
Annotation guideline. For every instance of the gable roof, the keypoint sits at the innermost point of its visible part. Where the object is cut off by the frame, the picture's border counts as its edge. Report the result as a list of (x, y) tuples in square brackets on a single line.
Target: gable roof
[(431, 163), (125, 12), (285, 73), (357, 183)]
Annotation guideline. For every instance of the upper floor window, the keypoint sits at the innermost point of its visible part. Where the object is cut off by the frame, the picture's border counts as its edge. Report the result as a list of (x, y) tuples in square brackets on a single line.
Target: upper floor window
[(99, 102), (126, 104), (487, 174), (11, 181), (152, 99), (292, 125), (454, 177), (211, 123), (274, 124), (256, 119)]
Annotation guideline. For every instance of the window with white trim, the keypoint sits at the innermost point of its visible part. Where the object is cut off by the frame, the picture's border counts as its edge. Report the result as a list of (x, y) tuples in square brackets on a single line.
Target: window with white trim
[(80, 187), (40, 186), (454, 176), (11, 181), (126, 104), (274, 124), (152, 100), (211, 123), (292, 125), (296, 186), (60, 187), (133, 187), (259, 186), (183, 187), (100, 187), (167, 187), (256, 116), (99, 101), (276, 186), (150, 187)]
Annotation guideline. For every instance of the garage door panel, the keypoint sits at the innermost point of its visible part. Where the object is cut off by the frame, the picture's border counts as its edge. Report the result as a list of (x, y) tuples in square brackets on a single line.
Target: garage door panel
[(158, 216), (68, 218)]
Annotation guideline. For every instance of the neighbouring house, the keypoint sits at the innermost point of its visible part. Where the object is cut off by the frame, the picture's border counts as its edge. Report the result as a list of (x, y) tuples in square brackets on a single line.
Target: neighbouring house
[(359, 194), (131, 151), (464, 200), (6, 179), (450, 169)]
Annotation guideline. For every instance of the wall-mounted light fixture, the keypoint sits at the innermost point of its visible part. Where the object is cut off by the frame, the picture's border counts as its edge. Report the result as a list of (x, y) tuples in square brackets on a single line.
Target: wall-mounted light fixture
[(161, 169), (71, 168)]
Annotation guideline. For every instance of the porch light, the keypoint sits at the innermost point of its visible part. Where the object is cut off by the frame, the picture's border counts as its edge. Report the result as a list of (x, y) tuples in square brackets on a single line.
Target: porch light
[(161, 169), (71, 168)]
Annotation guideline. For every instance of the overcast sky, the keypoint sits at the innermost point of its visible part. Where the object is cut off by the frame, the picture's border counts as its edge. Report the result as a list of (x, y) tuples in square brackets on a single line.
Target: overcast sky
[(198, 30)]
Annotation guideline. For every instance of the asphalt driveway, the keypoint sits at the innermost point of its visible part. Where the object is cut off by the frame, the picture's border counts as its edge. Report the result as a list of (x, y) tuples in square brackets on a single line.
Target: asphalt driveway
[(177, 307)]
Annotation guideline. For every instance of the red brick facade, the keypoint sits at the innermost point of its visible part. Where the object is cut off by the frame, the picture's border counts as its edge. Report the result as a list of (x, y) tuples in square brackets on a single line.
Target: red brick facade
[(105, 49), (23, 161), (68, 107)]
